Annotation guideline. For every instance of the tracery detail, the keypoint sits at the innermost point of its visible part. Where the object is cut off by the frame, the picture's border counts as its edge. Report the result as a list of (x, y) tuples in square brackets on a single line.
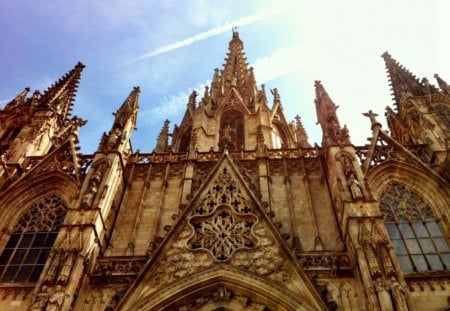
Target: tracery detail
[(223, 233), (27, 250), (223, 221), (416, 235)]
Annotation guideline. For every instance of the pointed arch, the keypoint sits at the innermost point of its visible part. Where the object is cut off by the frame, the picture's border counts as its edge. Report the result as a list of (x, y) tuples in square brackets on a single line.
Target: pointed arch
[(185, 139), (24, 256), (414, 206), (279, 137), (229, 284), (29, 191)]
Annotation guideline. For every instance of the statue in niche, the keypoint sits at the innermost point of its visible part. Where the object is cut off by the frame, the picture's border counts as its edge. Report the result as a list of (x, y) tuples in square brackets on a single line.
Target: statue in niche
[(355, 187), (56, 299), (114, 138), (66, 269), (333, 128), (92, 189), (40, 300), (226, 136), (399, 294), (384, 298), (53, 269)]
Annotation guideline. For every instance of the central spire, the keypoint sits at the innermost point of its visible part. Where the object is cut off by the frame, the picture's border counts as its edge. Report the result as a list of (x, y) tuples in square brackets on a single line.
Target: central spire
[(235, 70)]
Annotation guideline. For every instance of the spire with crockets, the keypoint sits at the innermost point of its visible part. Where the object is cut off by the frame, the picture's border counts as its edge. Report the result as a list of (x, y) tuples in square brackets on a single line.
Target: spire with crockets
[(333, 134)]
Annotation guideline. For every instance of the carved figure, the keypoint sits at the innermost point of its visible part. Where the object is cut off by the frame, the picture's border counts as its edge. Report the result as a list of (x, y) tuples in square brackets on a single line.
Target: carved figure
[(53, 269), (92, 189), (40, 300), (114, 138), (56, 300), (355, 187), (398, 293), (383, 295), (66, 269)]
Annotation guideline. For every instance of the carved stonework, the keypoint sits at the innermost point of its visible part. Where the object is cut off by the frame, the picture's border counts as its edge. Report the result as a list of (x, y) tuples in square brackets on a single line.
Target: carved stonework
[(117, 269), (223, 233), (180, 261), (224, 297)]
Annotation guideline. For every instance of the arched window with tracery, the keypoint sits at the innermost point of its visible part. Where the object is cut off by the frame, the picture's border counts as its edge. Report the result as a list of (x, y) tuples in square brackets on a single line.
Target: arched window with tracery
[(232, 133), (26, 252), (416, 235)]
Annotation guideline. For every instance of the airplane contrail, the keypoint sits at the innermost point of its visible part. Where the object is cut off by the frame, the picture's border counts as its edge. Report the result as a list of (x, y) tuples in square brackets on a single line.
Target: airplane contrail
[(209, 33)]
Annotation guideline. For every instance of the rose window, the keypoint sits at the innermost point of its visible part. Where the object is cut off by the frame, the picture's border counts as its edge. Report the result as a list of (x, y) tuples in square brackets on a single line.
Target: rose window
[(223, 232)]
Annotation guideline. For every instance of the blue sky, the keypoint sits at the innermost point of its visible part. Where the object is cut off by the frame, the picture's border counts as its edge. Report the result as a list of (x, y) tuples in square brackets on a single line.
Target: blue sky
[(169, 48)]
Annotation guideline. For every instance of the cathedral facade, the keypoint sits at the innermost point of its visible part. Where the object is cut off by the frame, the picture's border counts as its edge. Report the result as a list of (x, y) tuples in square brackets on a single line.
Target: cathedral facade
[(233, 210)]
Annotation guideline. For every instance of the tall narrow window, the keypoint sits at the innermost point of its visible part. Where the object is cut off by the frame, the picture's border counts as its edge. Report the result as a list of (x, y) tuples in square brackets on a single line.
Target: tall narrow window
[(417, 238), (185, 140), (24, 256)]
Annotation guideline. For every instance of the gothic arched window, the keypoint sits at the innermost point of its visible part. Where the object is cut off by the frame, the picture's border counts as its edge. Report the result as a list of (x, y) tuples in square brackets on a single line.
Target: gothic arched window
[(185, 140), (27, 250), (232, 130), (417, 238), (278, 137)]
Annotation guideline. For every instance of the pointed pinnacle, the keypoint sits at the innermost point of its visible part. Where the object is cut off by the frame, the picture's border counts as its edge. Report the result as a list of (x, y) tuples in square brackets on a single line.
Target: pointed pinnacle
[(442, 84), (129, 108), (400, 78), (64, 89)]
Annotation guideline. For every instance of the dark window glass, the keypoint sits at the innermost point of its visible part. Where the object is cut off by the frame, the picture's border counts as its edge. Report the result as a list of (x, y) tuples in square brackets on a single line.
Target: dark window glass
[(414, 232), (420, 229), (394, 233), (405, 263), (29, 246), (39, 240), (419, 262), (399, 247)]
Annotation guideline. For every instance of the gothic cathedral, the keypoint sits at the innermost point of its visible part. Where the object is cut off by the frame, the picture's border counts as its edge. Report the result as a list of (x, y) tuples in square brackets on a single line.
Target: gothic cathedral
[(233, 210)]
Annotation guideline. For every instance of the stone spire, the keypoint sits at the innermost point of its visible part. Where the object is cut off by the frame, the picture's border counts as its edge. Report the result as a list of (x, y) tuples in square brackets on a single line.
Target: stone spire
[(124, 123), (300, 133), (236, 74), (327, 118), (162, 143), (401, 80), (60, 96), (442, 84), (129, 109)]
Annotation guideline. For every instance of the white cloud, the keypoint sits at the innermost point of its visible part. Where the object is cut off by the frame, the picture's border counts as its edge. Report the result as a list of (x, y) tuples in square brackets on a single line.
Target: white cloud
[(277, 64), (175, 104)]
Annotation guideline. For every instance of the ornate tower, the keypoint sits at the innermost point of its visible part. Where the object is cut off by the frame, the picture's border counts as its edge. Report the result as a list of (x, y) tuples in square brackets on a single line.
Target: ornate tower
[(422, 114), (36, 125), (234, 112)]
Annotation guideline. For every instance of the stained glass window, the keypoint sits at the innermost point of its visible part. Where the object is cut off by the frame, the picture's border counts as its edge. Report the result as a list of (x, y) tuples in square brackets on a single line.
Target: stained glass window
[(416, 236), (26, 252)]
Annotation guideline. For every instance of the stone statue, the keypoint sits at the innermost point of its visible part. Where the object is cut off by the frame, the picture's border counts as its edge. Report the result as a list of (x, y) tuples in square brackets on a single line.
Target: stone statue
[(384, 298), (355, 187), (399, 295), (56, 299), (114, 138), (65, 270), (92, 189), (40, 300), (53, 269)]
